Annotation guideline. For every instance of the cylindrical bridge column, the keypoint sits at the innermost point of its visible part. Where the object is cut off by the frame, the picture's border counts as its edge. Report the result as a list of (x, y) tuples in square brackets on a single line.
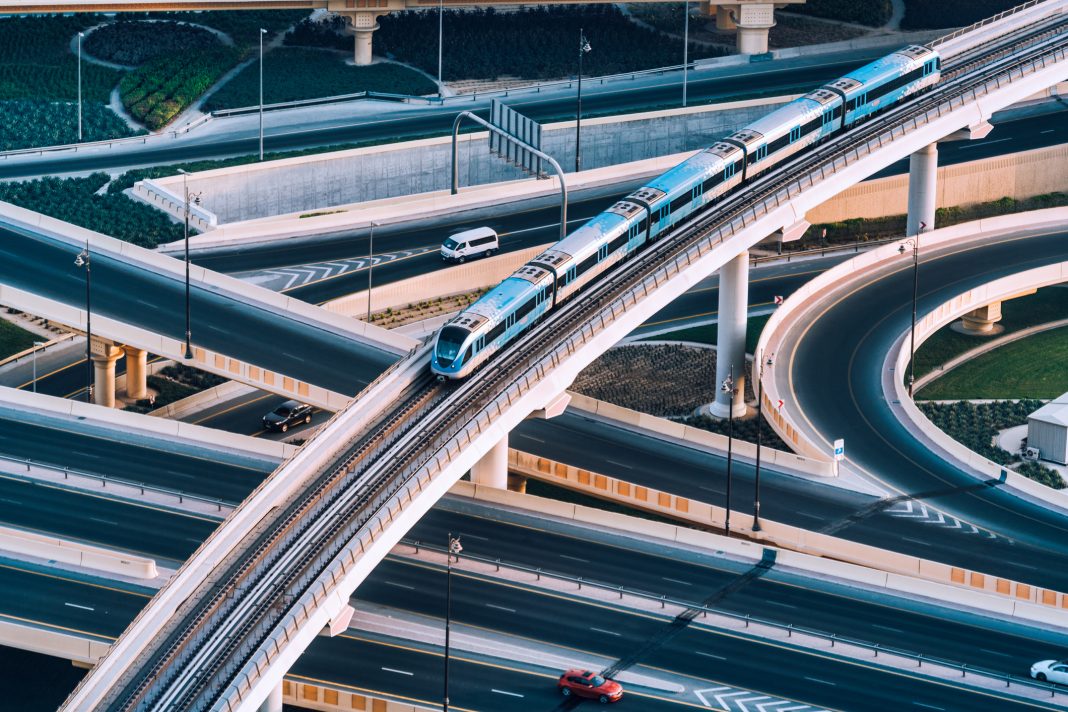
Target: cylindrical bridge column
[(362, 26), (104, 374), (136, 372), (923, 189), (730, 342), (492, 469)]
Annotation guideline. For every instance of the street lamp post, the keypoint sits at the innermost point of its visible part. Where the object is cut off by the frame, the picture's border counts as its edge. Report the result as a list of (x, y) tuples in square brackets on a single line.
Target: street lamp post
[(728, 387), (760, 428), (441, 13), (454, 548), (82, 260), (370, 268), (80, 36), (915, 242), (36, 345), (685, 50), (188, 327), (262, 33), (584, 47)]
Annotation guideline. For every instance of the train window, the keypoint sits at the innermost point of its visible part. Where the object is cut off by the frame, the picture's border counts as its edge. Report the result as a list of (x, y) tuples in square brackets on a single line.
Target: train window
[(838, 111), (602, 252), (679, 202), (696, 191), (795, 134), (619, 241), (728, 172), (712, 182), (495, 332), (526, 308), (851, 104), (665, 212), (779, 143), (828, 116)]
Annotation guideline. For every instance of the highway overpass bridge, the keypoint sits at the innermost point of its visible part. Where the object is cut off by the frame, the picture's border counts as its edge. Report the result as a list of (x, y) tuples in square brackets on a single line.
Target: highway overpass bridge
[(750, 18), (224, 631)]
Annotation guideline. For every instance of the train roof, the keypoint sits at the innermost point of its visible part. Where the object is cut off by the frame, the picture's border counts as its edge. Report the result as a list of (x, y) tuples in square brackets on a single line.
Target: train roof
[(499, 301), (579, 243), (773, 124), (700, 165), (892, 64)]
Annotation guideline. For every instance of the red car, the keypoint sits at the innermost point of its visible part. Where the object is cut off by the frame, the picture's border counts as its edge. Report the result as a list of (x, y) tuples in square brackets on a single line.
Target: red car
[(583, 683)]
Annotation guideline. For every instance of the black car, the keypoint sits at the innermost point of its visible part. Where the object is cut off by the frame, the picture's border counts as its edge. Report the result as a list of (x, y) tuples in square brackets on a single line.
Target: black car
[(289, 413)]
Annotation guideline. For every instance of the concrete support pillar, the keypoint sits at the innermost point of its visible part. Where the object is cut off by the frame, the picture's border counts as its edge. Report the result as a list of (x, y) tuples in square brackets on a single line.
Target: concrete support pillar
[(982, 320), (273, 703), (923, 189), (136, 372), (753, 22), (492, 469), (104, 358), (730, 343), (707, 9), (724, 21), (362, 26)]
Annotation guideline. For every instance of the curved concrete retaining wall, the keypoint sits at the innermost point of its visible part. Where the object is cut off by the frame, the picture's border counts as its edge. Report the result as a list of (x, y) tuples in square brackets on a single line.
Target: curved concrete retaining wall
[(897, 362), (48, 641), (788, 422), (87, 556)]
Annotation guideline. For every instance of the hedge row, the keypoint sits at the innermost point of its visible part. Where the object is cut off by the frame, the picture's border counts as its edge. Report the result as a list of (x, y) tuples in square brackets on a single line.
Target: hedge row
[(160, 90), (36, 61), (292, 73), (874, 13), (74, 200), (28, 123), (930, 14), (135, 42), (974, 425), (243, 26), (539, 43)]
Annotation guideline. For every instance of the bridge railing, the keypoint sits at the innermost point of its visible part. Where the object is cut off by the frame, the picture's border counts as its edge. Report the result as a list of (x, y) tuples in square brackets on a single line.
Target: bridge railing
[(748, 619)]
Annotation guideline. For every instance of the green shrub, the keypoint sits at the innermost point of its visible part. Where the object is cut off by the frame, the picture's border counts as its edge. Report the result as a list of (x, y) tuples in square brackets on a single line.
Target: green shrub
[(14, 339), (164, 87), (168, 391), (931, 14), (874, 13), (326, 33), (538, 43), (74, 200), (743, 430), (28, 123), (192, 377), (294, 73), (135, 42), (243, 26)]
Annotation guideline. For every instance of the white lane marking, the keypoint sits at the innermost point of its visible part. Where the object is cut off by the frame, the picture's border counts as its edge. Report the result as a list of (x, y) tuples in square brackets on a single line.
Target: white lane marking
[(985, 143), (505, 692), (710, 655), (500, 608), (916, 541), (400, 585), (10, 501), (399, 672), (995, 652), (684, 583), (930, 707), (475, 536), (607, 632), (886, 627), (75, 605), (822, 682), (621, 464), (783, 605), (574, 558), (104, 521), (531, 437), (1047, 131)]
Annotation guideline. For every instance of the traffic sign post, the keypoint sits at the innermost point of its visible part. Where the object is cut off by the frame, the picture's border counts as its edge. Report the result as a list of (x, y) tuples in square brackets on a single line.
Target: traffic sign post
[(839, 450)]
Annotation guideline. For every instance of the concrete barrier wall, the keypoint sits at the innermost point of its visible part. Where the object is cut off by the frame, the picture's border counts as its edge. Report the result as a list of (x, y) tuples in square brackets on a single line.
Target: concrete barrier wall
[(48, 641), (806, 550), (50, 548), (701, 438), (309, 694), (309, 183), (1020, 175)]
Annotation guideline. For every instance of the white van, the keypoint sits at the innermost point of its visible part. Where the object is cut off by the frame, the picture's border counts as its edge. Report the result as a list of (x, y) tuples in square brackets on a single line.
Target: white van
[(470, 244)]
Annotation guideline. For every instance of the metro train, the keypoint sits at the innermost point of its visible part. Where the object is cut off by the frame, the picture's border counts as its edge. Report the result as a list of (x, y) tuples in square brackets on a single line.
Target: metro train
[(522, 299)]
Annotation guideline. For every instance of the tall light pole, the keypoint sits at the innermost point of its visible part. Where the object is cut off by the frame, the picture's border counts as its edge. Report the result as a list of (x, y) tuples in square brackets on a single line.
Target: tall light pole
[(82, 260), (80, 36), (584, 47), (454, 548), (262, 33), (36, 345), (915, 242), (760, 429), (441, 14), (188, 327), (370, 267), (685, 50), (728, 387)]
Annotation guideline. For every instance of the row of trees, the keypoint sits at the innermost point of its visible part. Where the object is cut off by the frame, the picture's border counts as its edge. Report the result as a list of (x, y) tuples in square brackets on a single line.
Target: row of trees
[(537, 43), (874, 13), (133, 43), (28, 123), (164, 87)]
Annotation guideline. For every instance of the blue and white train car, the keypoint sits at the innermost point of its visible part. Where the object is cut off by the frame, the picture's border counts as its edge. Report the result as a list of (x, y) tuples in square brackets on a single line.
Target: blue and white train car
[(887, 81)]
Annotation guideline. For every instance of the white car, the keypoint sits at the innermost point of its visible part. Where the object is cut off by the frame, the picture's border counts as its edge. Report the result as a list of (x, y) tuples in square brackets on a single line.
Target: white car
[(1051, 671)]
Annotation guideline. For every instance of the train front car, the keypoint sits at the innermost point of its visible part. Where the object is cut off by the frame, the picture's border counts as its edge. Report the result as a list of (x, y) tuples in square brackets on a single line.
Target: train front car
[(499, 316), (887, 80)]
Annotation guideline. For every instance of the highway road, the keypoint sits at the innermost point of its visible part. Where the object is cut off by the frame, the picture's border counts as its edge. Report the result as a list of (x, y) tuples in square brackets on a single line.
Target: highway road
[(45, 267), (378, 121)]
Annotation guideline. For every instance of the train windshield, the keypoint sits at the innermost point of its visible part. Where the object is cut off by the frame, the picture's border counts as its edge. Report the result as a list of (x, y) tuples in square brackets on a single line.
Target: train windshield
[(450, 341)]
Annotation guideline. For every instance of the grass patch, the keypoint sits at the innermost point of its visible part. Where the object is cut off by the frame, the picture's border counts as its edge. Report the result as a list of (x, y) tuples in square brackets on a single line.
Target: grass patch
[(1046, 305), (14, 339), (75, 201), (538, 488), (243, 26), (163, 88), (135, 42), (707, 333), (29, 123), (294, 73), (1033, 367)]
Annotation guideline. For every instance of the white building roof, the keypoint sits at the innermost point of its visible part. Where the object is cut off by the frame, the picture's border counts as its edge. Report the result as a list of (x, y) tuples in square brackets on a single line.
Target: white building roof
[(1055, 412)]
